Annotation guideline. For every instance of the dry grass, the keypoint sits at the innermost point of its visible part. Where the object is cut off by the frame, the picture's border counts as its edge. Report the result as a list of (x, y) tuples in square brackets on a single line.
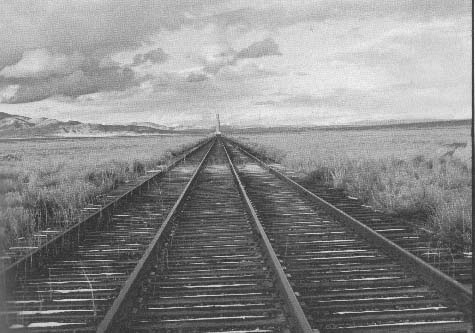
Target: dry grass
[(423, 175), (44, 183)]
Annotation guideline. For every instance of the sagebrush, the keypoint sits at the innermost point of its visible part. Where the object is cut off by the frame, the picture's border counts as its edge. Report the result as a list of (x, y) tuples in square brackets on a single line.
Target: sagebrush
[(44, 183), (421, 175)]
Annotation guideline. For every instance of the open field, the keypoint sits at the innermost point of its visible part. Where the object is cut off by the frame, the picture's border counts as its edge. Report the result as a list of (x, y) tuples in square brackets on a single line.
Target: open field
[(421, 174), (44, 182)]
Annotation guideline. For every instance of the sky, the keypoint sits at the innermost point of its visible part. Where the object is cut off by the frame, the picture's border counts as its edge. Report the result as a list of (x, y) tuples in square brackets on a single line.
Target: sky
[(259, 62)]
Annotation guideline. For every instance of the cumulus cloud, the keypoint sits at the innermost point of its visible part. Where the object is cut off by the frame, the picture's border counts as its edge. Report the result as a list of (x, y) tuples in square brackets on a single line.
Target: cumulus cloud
[(57, 48), (47, 47), (156, 56), (8, 93), (75, 84), (266, 47), (217, 58), (42, 63), (40, 74)]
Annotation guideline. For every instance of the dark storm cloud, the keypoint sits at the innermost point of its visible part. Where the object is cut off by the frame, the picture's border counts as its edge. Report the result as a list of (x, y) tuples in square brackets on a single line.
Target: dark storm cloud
[(80, 82), (87, 26), (46, 51), (63, 47)]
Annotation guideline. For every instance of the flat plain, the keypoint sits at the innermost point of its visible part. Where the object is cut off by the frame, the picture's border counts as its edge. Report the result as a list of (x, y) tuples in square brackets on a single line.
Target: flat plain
[(44, 182), (423, 175), (420, 174)]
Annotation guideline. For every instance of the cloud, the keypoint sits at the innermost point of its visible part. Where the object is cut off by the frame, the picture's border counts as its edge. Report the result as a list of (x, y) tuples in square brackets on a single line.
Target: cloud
[(46, 46), (196, 77), (42, 63), (40, 74), (51, 49), (430, 54), (156, 56), (267, 102), (8, 93), (337, 99), (264, 48), (278, 14), (88, 26), (217, 58), (57, 75), (246, 70)]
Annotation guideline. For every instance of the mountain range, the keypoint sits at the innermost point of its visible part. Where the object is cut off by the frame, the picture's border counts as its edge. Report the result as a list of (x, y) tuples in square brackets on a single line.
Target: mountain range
[(21, 126), (15, 126)]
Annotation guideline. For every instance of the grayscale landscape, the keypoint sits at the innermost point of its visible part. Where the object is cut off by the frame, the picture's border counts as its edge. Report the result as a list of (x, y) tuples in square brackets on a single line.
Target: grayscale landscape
[(236, 166)]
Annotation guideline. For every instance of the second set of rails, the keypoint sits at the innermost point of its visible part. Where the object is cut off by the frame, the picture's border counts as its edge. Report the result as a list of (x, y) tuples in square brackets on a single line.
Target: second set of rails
[(221, 243)]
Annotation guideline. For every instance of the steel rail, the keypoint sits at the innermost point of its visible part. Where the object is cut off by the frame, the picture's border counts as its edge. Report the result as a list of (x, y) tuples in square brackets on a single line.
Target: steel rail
[(452, 289), (71, 237), (297, 316), (125, 300)]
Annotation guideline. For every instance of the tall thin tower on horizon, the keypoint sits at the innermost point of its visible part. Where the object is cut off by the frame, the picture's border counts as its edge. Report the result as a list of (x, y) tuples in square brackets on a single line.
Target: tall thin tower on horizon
[(218, 125)]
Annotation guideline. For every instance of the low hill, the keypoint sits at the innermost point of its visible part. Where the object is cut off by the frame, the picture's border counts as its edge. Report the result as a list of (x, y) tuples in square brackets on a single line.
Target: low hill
[(15, 126), (21, 126)]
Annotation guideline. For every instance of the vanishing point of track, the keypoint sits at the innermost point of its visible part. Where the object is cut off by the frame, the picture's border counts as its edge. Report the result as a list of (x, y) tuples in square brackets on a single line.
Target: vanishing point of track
[(221, 242)]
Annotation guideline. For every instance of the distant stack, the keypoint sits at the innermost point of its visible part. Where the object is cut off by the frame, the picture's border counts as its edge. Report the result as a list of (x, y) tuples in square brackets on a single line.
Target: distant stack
[(218, 126)]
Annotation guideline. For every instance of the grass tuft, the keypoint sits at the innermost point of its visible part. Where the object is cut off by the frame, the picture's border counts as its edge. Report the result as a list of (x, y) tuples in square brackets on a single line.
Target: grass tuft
[(428, 182), (46, 183), (138, 167)]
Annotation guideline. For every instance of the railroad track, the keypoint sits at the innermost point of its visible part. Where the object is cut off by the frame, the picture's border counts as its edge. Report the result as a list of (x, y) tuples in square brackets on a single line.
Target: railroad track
[(217, 273), (411, 238), (69, 282), (221, 243), (349, 278), (417, 241)]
